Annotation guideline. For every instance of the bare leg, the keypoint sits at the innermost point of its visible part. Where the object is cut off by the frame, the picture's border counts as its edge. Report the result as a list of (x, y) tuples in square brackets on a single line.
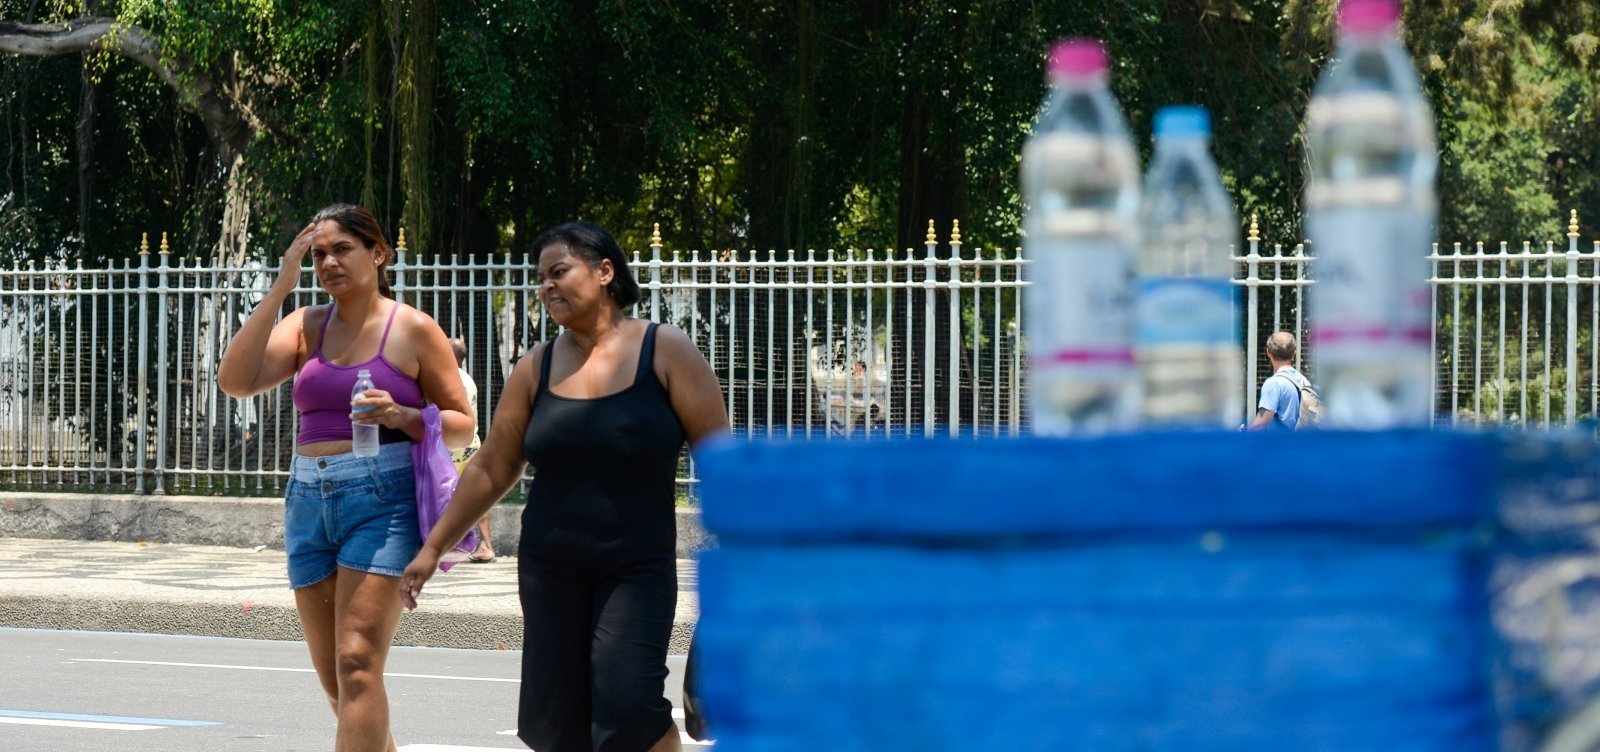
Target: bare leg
[(485, 549), (366, 614), (670, 742), (314, 603)]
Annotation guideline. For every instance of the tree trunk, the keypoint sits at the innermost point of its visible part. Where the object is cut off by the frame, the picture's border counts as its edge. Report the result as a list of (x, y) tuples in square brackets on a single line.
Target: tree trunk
[(232, 249), (416, 124), (86, 103), (227, 122)]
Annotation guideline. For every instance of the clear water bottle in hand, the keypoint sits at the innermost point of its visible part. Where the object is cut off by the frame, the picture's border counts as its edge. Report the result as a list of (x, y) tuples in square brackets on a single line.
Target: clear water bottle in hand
[(1371, 207), (1186, 326), (1080, 183), (363, 436)]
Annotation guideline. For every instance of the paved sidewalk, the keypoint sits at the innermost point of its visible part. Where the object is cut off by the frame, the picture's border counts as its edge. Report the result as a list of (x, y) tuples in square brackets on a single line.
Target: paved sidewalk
[(240, 592)]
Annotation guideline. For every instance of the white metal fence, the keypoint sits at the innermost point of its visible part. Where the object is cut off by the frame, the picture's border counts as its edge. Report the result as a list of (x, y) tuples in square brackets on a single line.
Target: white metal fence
[(107, 376)]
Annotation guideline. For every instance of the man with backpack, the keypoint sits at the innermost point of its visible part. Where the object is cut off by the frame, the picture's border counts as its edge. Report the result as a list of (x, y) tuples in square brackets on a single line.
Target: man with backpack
[(1288, 400)]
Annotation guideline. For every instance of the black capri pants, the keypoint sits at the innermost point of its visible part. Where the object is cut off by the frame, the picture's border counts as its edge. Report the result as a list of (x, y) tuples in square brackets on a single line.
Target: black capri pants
[(594, 654)]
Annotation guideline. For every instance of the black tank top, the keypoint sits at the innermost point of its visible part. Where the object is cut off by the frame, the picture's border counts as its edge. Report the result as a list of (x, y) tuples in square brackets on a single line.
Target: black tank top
[(605, 470)]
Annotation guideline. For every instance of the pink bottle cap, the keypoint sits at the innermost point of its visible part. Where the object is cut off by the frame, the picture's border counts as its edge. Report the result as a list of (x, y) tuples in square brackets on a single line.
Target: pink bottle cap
[(1078, 57), (1368, 16)]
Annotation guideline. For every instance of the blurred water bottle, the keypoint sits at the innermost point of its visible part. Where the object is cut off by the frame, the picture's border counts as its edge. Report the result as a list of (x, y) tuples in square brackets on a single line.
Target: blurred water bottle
[(1185, 324), (1080, 182), (363, 436), (1371, 206)]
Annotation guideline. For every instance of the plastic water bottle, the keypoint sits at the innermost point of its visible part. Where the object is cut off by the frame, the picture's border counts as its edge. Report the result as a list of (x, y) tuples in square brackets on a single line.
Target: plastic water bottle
[(1371, 207), (1186, 326), (1080, 182), (363, 436)]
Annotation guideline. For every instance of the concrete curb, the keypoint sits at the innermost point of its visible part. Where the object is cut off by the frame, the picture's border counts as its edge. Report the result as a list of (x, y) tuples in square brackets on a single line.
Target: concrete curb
[(239, 592), (425, 627), (218, 520)]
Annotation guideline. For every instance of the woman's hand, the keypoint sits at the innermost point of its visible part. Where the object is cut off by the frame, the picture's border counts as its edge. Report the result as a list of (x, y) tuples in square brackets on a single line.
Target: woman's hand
[(377, 407), (417, 574), (292, 258)]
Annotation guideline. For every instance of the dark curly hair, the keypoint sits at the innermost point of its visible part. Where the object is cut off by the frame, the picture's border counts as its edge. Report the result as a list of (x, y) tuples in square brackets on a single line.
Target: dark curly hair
[(593, 244)]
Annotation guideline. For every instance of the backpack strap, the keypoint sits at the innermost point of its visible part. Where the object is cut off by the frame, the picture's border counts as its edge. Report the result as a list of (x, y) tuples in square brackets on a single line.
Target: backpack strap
[(1298, 399)]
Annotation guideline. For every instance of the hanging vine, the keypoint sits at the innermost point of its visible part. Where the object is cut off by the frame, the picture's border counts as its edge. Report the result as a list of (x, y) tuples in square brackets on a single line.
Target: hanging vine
[(418, 62)]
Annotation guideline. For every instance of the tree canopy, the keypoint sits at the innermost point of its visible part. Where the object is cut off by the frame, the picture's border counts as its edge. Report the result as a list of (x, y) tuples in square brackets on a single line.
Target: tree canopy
[(734, 123)]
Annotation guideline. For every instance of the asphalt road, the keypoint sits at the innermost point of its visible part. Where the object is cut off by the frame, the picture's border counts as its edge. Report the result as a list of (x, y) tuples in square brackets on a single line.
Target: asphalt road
[(63, 691)]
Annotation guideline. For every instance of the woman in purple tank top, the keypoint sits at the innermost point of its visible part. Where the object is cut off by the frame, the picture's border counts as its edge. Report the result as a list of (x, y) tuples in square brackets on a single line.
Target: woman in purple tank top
[(350, 523)]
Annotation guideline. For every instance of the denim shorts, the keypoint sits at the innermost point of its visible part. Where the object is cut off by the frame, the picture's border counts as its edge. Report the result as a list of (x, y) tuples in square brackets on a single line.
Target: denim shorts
[(354, 512)]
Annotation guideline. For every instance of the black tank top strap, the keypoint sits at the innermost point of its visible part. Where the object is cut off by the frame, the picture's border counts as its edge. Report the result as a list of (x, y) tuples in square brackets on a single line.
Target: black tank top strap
[(544, 365), (647, 354), (322, 334)]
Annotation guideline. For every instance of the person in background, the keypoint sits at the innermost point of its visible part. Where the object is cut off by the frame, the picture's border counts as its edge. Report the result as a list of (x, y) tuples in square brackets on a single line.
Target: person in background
[(1279, 406), (350, 523), (602, 413), (484, 553)]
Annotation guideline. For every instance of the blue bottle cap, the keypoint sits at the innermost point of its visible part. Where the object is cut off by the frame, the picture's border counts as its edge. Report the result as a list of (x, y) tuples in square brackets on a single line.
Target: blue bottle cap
[(1183, 120)]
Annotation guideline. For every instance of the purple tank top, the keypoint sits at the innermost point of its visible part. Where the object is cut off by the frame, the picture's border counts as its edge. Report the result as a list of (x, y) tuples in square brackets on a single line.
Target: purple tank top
[(322, 389)]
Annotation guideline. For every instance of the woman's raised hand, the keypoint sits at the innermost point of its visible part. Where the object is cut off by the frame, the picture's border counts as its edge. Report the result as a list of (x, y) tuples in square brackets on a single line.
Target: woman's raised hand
[(296, 254)]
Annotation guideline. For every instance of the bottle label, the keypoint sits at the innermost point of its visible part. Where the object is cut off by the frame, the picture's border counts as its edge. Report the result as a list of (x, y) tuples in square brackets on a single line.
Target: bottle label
[(1080, 307), (1185, 311), (1371, 299)]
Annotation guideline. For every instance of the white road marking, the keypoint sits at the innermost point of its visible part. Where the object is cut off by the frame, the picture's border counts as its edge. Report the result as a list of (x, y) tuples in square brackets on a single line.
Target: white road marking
[(103, 722), (451, 748), (78, 724), (292, 670), (689, 742)]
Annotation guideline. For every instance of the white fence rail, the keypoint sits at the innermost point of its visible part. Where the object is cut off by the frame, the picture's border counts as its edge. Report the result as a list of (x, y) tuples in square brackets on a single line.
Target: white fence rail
[(107, 376)]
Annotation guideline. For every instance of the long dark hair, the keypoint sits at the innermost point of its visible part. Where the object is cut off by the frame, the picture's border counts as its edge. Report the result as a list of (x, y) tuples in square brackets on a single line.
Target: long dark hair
[(360, 223), (592, 244)]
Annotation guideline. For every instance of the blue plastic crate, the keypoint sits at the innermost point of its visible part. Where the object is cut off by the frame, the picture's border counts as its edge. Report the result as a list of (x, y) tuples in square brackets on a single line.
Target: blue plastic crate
[(1167, 591)]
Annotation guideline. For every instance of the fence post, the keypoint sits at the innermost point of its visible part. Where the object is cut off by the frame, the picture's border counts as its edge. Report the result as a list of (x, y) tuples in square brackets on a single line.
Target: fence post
[(142, 444), (955, 332), (161, 365), (1455, 330), (400, 266), (1014, 332), (928, 271), (1572, 320), (1433, 336), (655, 273), (1252, 278)]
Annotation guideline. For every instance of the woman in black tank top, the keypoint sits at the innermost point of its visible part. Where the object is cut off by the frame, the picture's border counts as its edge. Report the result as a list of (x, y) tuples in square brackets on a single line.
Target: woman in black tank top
[(602, 413)]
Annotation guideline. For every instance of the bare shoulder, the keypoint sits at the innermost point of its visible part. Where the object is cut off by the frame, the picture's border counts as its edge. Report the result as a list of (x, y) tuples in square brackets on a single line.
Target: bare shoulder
[(531, 358), (673, 341), (308, 321), (678, 359), (415, 320), (525, 372), (311, 316)]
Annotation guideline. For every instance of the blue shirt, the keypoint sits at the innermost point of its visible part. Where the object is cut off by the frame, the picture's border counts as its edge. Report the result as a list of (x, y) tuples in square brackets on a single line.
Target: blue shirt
[(1282, 396)]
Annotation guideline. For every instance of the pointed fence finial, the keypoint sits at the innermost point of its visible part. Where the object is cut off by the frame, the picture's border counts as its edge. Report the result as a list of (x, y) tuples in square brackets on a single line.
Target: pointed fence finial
[(931, 237), (1572, 227), (1255, 228), (144, 244), (400, 243), (165, 250), (955, 230), (655, 235)]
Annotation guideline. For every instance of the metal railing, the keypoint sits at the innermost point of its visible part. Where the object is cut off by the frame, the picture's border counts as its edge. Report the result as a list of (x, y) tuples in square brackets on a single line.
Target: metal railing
[(107, 376)]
